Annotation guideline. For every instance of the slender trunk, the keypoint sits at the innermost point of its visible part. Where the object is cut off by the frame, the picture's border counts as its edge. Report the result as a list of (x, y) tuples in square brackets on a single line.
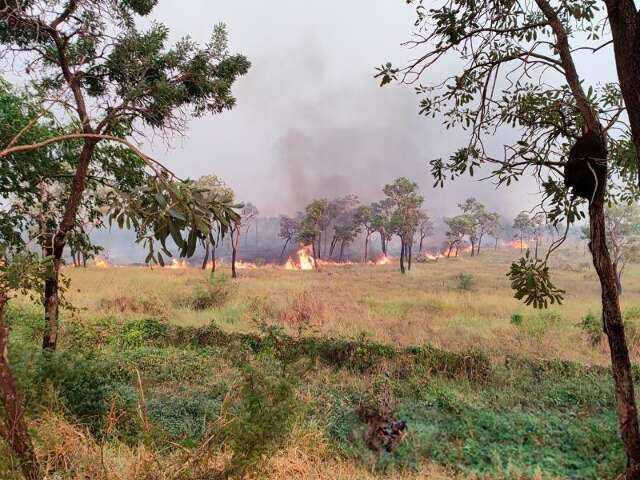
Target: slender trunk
[(313, 252), (284, 247), (319, 252), (421, 242), (214, 245), (366, 247), (614, 329), (341, 250), (84, 261), (479, 244), (207, 251), (235, 242), (410, 248), (332, 247), (15, 432), (449, 252), (56, 247), (402, 253), (473, 248), (383, 243)]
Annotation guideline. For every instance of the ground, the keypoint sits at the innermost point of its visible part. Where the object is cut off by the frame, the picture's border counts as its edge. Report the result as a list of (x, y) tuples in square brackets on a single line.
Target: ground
[(169, 374)]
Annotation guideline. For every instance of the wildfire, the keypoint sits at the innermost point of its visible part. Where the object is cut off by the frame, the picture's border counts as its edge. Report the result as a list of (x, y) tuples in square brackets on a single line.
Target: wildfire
[(303, 262), (384, 261), (102, 262), (515, 244), (240, 265), (178, 264)]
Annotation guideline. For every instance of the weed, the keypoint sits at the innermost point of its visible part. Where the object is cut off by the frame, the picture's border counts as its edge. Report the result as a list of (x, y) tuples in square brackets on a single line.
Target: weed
[(465, 282)]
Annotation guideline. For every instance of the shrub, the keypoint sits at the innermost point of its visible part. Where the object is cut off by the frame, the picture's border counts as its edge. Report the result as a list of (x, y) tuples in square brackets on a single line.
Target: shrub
[(134, 305), (217, 292), (263, 414), (592, 327), (517, 319), (466, 281), (304, 312), (182, 418), (143, 331)]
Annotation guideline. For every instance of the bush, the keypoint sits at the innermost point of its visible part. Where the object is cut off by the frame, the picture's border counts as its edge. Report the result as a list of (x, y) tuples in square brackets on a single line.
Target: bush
[(217, 292), (139, 332), (517, 319), (466, 282), (182, 418), (592, 327), (263, 414)]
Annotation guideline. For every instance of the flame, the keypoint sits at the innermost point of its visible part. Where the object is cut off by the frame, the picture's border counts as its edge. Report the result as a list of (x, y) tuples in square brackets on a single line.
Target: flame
[(102, 262), (384, 260), (515, 244), (178, 264), (240, 265), (304, 260)]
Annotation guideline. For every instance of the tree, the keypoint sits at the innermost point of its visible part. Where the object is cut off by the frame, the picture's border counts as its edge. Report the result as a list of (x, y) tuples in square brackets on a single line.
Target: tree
[(313, 223), (214, 190), (623, 236), (403, 195), (426, 229), (523, 224), (340, 216), (248, 213), (477, 220), (494, 227), (289, 230), (519, 73), (89, 61), (364, 216), (382, 212), (458, 228)]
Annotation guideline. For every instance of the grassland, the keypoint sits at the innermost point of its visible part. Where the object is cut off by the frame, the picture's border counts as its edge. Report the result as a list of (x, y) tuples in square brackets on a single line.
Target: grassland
[(164, 374)]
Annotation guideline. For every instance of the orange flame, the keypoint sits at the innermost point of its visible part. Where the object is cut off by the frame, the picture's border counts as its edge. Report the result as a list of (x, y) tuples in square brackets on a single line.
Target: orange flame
[(515, 244), (384, 260), (240, 265), (178, 264), (102, 262), (303, 262)]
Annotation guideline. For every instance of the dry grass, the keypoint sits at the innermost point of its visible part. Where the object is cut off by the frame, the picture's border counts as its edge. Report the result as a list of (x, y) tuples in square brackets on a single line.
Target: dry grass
[(423, 306)]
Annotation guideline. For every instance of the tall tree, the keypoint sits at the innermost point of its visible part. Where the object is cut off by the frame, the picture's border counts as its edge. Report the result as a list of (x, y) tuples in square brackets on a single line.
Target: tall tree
[(523, 225), (426, 229), (403, 195), (289, 231), (494, 227), (91, 62), (519, 72), (365, 216)]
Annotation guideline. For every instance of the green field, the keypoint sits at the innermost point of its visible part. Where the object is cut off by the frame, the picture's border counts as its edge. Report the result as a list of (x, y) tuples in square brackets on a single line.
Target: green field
[(168, 374)]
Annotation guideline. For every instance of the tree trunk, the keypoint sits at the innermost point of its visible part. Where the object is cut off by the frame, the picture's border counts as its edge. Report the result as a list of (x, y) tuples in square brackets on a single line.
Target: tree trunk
[(410, 248), (624, 21), (402, 253), (284, 248), (614, 329), (479, 244), (207, 249), (15, 432), (366, 247), (313, 252), (214, 245), (496, 247), (421, 242), (341, 251), (473, 248), (56, 247), (383, 243), (235, 241)]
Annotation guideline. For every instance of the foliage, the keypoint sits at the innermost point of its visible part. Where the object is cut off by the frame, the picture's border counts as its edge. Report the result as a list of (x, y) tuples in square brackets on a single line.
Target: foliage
[(530, 281), (466, 282), (217, 292)]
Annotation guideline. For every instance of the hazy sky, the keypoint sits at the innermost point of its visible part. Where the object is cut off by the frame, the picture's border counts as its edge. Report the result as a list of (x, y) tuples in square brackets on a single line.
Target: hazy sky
[(311, 120)]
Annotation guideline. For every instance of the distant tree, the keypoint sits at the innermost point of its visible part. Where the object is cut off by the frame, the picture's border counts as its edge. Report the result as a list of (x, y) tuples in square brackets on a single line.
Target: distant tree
[(364, 216), (458, 228), (538, 227), (382, 212), (289, 231), (404, 196), (479, 220), (341, 218), (523, 225), (313, 224), (494, 227), (426, 229), (623, 236), (248, 213)]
